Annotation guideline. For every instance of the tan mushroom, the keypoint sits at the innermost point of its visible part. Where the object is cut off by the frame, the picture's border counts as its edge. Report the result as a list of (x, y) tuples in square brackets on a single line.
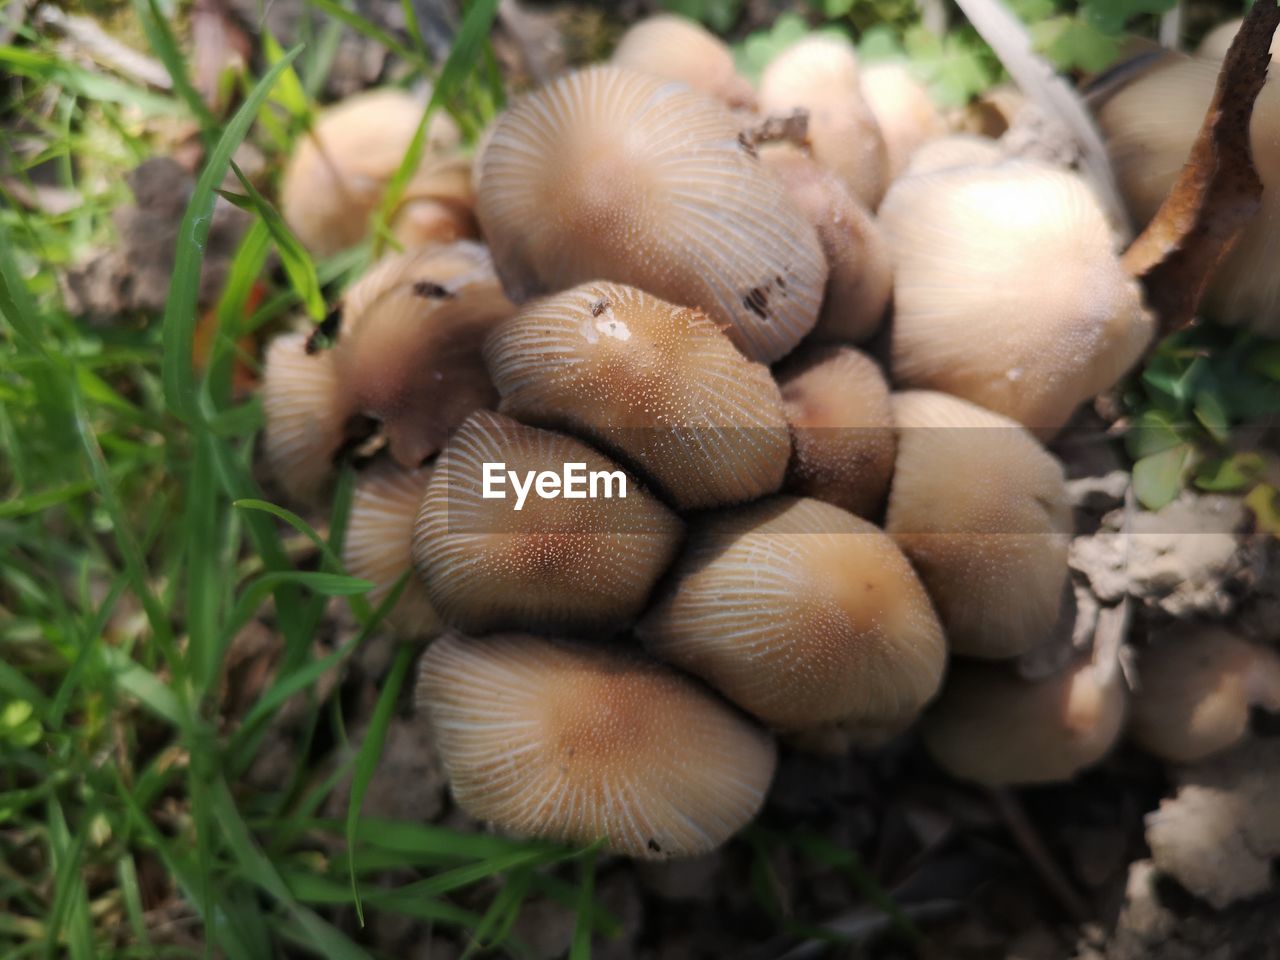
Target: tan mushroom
[(1196, 685), (578, 744), (803, 615), (676, 48), (837, 403), (997, 729), (860, 278), (656, 385), (903, 110), (548, 561), (607, 174), (378, 545), (820, 75), (982, 511), (339, 170)]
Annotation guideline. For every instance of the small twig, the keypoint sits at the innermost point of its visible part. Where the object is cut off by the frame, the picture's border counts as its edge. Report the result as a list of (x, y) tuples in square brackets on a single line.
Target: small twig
[(789, 128), (86, 36), (1028, 840), (1171, 26)]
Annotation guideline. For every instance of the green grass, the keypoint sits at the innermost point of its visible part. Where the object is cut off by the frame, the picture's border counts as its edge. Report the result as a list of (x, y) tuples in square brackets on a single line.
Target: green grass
[(136, 545)]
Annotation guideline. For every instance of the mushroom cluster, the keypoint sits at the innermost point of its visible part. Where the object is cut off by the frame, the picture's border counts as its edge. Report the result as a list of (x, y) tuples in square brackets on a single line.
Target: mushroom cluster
[(657, 504)]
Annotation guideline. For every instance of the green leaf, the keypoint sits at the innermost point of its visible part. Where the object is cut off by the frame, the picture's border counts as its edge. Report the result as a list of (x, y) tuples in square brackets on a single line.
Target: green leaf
[(581, 946), (298, 266), (1070, 43), (367, 759), (1213, 416), (184, 284), (1112, 16), (288, 93), (1264, 501), (879, 43), (719, 15), (1157, 479), (1154, 431), (1265, 360), (1230, 474)]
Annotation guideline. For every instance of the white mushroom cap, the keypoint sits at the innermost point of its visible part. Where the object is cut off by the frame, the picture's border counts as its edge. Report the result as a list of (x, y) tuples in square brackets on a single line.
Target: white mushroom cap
[(1008, 290), (577, 744), (903, 110)]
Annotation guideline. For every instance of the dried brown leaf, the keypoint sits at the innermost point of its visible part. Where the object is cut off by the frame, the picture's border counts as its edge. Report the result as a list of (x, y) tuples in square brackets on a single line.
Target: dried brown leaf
[(1218, 191)]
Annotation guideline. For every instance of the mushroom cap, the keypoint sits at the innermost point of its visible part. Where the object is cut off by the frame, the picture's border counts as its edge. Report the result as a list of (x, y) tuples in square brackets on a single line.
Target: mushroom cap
[(555, 565), (438, 205), (656, 385), (820, 74), (1150, 125), (803, 615), (982, 511), (992, 727), (607, 174), (837, 403), (576, 744), (306, 413), (336, 175), (903, 110), (1217, 41), (379, 543), (409, 345), (954, 150), (860, 279), (1196, 684), (676, 48), (1008, 291)]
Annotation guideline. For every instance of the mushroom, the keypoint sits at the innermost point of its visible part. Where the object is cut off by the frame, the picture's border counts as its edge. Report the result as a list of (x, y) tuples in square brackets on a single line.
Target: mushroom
[(954, 150), (658, 386), (993, 113), (904, 112), (1008, 291), (1196, 684), (992, 727), (494, 559), (607, 174), (1217, 41), (819, 74), (408, 349), (676, 48), (982, 511), (578, 744), (337, 173), (1150, 124), (803, 615), (860, 279), (837, 403), (306, 415), (378, 545)]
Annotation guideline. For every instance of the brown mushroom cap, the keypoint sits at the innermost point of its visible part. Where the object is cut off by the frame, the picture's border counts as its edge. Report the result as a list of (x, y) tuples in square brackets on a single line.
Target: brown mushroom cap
[(379, 543), (607, 174), (555, 565), (1196, 684), (577, 744), (837, 403), (860, 278), (409, 345), (676, 48), (904, 112), (994, 728), (337, 173), (820, 74), (1008, 290), (803, 615), (981, 510), (657, 385), (1149, 125), (306, 415)]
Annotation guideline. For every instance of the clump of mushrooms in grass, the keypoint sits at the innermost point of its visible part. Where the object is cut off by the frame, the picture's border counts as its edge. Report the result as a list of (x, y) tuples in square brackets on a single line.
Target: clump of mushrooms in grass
[(802, 548)]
